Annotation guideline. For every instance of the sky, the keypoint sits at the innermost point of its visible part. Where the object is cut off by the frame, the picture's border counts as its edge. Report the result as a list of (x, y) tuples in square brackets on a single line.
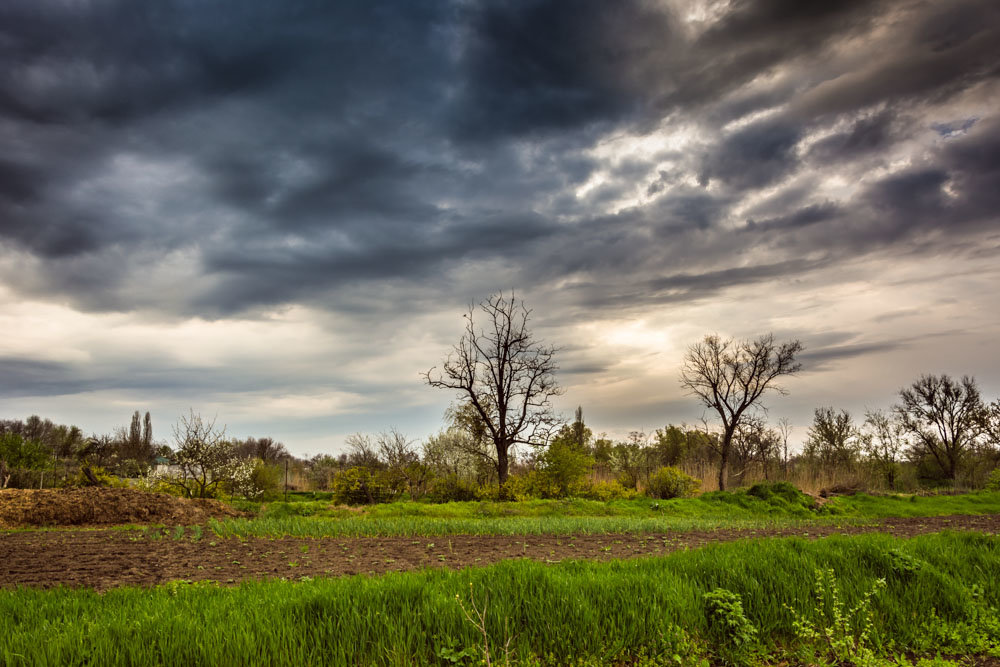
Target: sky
[(276, 213)]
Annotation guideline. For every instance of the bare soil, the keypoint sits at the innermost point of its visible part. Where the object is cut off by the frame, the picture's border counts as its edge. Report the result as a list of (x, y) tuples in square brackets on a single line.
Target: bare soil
[(103, 559), (92, 506)]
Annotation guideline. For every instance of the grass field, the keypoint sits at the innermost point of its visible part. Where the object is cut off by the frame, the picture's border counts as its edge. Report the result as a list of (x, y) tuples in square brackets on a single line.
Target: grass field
[(715, 510), (941, 593)]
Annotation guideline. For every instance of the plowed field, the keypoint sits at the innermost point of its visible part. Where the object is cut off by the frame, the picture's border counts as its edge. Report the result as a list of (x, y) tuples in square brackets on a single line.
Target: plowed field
[(104, 559)]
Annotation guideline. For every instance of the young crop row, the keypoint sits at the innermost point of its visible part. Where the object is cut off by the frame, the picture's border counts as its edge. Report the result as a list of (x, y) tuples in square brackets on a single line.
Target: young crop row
[(860, 599), (716, 510)]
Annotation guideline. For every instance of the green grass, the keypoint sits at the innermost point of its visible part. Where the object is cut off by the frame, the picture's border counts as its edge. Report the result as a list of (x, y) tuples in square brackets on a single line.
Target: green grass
[(757, 508), (941, 594)]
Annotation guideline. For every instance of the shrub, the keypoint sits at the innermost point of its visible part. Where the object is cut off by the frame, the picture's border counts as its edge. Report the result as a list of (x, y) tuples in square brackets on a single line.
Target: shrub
[(255, 480), (993, 481), (362, 486), (733, 633), (606, 491), (515, 488), (449, 488), (17, 453), (669, 482), (563, 468), (103, 477)]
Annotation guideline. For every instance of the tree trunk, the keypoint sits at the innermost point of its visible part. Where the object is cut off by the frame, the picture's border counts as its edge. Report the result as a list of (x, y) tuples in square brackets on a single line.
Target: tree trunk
[(727, 441), (503, 464)]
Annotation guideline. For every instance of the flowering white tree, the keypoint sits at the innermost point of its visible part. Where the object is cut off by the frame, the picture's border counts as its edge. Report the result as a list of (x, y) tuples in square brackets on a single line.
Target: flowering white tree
[(207, 461)]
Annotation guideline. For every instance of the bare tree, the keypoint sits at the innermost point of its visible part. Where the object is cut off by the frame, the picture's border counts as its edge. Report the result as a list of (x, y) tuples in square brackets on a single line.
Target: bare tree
[(362, 451), (883, 440), (505, 375), (731, 376), (944, 416), (785, 430), (753, 442)]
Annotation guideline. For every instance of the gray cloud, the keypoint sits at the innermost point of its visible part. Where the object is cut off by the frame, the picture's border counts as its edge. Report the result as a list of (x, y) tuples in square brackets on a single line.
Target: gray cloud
[(378, 160)]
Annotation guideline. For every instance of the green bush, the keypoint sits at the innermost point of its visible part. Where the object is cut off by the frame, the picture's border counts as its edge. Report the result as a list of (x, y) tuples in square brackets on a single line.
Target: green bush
[(362, 486), (606, 491), (18, 455), (103, 477), (562, 470), (993, 481), (448, 488), (264, 483), (515, 488), (733, 634), (669, 482)]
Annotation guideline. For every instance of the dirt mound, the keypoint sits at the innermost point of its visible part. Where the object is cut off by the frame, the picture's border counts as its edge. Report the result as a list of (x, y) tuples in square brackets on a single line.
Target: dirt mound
[(102, 506)]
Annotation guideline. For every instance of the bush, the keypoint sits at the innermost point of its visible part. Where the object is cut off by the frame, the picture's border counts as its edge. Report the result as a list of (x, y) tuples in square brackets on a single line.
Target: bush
[(562, 470), (606, 491), (18, 454), (733, 634), (993, 481), (361, 486), (515, 488), (450, 488), (669, 482), (259, 481), (103, 477)]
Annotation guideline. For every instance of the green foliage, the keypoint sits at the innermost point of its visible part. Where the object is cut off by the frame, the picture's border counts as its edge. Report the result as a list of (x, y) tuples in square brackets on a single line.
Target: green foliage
[(993, 481), (571, 613), (103, 477), (563, 465), (713, 510), (514, 489), (359, 485), (731, 631), (450, 488), (606, 491), (778, 493), (834, 632), (669, 482), (18, 453), (264, 482)]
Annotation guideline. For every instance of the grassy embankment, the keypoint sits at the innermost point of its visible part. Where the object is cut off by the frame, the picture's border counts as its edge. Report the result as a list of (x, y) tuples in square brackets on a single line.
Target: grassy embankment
[(770, 507), (940, 594)]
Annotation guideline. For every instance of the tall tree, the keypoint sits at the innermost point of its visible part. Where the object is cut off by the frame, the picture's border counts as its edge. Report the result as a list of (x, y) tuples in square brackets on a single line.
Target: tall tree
[(832, 438), (731, 376), (147, 431), (944, 417), (883, 440), (504, 374)]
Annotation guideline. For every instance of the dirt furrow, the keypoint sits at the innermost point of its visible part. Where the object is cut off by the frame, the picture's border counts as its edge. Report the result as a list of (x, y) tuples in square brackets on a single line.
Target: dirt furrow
[(104, 559)]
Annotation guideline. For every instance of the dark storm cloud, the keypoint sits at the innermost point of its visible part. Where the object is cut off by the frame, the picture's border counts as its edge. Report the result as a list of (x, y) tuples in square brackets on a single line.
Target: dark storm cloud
[(809, 215), (821, 358), (865, 136), (531, 65), (754, 156), (950, 47), (309, 151), (32, 377)]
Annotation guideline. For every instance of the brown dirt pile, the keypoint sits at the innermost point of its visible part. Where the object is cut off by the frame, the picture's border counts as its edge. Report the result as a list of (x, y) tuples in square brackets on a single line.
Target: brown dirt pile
[(102, 506)]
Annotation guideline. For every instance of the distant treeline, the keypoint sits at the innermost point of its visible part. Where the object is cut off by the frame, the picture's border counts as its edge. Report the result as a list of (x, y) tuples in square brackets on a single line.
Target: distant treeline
[(939, 433)]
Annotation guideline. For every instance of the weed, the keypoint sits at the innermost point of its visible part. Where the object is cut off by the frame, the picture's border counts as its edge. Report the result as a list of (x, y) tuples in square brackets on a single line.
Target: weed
[(841, 635), (735, 635)]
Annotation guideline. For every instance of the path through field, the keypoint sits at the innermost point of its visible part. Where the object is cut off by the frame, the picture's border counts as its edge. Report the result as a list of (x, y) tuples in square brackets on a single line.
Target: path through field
[(104, 558)]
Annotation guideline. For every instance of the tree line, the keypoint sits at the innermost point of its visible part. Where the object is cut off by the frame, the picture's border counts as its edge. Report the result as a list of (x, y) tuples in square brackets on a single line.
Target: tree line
[(503, 439)]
